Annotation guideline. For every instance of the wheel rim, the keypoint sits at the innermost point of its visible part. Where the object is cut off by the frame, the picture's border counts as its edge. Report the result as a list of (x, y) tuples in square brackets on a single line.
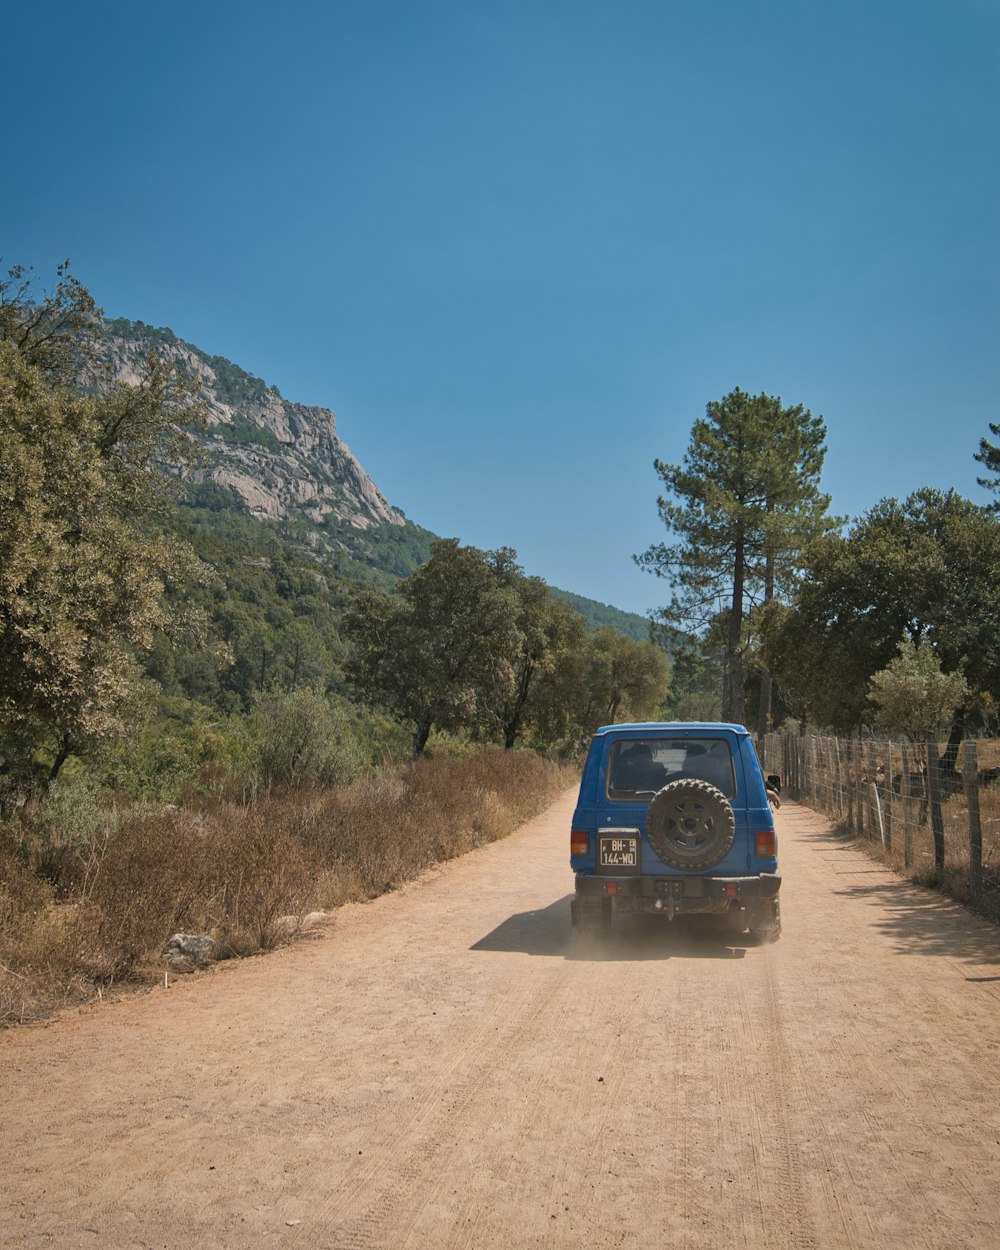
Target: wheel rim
[(690, 826)]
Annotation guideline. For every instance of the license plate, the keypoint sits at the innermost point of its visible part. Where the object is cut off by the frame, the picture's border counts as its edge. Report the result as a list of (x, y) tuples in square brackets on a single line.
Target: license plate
[(619, 853)]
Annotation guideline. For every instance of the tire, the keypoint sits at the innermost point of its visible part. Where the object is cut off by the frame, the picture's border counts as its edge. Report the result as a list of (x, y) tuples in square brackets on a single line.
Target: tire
[(591, 915), (690, 824)]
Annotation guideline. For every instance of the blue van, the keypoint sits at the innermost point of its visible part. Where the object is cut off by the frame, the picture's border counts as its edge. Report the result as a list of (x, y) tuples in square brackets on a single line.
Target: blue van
[(674, 819)]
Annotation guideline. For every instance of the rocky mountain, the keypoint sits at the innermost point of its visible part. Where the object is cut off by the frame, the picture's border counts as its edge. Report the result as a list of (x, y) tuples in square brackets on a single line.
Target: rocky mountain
[(274, 462), (282, 464), (279, 459)]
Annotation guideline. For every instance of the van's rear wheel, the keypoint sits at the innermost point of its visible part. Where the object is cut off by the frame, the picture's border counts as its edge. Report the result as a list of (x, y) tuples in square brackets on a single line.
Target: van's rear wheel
[(591, 915)]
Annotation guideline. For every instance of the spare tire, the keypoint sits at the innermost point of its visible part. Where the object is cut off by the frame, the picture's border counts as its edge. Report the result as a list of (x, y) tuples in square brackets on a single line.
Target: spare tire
[(690, 824)]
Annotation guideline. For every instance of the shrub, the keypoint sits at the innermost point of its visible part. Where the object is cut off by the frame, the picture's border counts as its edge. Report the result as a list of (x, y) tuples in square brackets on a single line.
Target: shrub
[(156, 762), (150, 877), (303, 739), (386, 829), (41, 944), (260, 872), (64, 833)]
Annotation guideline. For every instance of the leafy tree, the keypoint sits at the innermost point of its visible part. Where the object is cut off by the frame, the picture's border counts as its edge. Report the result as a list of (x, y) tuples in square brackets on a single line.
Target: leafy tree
[(84, 558), (609, 678), (545, 628), (927, 569), (274, 612), (913, 696), (52, 330), (695, 685), (426, 652), (742, 505), (623, 679)]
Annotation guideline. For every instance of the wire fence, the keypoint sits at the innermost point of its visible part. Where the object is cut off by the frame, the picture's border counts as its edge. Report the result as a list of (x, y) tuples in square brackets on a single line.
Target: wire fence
[(933, 809)]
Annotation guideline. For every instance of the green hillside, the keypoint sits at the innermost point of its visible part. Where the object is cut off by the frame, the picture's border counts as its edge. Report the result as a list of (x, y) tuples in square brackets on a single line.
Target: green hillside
[(596, 614)]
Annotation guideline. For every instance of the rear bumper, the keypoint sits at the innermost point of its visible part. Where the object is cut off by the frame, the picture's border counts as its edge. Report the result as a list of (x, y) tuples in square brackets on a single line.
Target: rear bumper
[(675, 895)]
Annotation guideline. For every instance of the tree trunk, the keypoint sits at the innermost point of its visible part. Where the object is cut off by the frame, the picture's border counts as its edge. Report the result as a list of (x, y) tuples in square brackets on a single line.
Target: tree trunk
[(60, 759), (934, 799), (970, 777), (420, 735), (512, 725), (764, 708), (764, 705), (295, 667), (736, 712), (949, 757)]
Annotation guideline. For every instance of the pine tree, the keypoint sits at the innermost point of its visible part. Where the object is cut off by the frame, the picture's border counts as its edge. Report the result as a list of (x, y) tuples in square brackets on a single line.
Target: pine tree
[(742, 506), (989, 455)]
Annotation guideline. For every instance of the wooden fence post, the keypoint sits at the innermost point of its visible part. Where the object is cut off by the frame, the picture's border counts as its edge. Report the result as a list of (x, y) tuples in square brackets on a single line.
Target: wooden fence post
[(970, 780), (790, 765), (874, 812), (887, 793), (904, 794), (840, 781), (859, 787), (786, 746), (789, 779), (819, 763), (934, 797), (875, 801)]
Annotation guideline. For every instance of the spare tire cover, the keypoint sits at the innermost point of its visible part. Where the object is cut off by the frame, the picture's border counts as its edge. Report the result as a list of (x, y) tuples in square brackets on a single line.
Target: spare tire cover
[(690, 824)]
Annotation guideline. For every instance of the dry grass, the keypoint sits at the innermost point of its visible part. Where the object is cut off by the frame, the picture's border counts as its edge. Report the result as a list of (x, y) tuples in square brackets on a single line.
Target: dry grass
[(953, 879), (89, 903), (381, 831), (836, 777)]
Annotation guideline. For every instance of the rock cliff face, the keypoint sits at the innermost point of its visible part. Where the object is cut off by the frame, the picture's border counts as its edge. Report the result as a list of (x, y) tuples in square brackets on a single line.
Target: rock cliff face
[(279, 459)]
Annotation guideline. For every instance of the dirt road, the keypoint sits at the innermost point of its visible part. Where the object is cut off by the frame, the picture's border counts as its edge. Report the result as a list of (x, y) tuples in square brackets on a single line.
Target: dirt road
[(448, 1068)]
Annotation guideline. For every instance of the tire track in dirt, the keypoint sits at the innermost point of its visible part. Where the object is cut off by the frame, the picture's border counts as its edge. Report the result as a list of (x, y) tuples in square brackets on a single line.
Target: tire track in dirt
[(478, 1224), (383, 1197), (597, 1101), (760, 1087)]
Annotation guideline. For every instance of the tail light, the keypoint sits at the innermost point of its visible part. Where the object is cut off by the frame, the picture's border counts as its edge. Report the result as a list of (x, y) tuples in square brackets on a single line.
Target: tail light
[(579, 842), (766, 843)]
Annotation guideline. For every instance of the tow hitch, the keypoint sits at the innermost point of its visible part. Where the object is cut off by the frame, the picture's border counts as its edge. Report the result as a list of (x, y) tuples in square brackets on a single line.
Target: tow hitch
[(668, 893)]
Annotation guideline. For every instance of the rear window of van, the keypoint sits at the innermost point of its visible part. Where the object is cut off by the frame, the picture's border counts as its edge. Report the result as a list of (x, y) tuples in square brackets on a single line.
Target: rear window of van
[(638, 767)]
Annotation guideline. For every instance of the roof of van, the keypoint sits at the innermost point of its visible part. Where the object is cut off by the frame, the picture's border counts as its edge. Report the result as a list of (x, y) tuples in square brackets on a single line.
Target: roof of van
[(654, 726)]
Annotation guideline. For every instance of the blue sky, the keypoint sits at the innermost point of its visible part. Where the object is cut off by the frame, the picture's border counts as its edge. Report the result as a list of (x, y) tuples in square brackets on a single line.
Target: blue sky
[(518, 247)]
